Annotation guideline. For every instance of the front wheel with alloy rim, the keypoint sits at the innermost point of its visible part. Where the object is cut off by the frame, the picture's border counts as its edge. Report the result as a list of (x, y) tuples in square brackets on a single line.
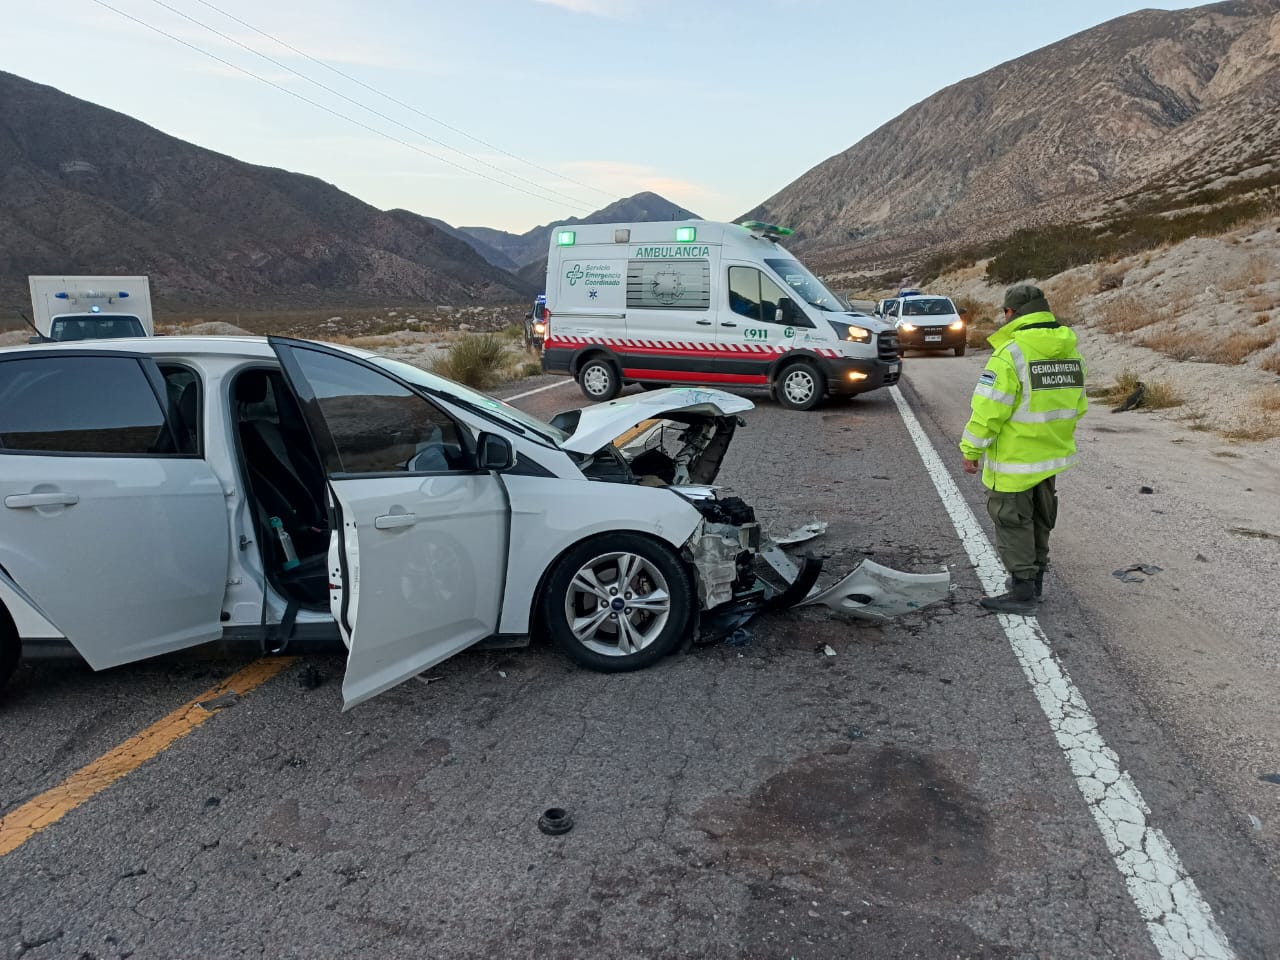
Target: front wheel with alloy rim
[(618, 602), (801, 386), (599, 380)]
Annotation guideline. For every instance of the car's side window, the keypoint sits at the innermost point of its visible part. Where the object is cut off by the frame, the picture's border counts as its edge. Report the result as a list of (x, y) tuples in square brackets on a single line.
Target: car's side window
[(186, 403), (891, 308), (377, 425), (80, 405)]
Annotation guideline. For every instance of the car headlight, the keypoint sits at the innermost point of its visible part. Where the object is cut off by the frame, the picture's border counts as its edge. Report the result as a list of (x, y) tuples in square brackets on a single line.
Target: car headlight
[(956, 325), (850, 331), (539, 328), (908, 327)]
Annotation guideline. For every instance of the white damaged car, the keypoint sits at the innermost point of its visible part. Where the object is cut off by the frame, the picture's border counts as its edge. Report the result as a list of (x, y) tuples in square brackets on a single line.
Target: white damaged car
[(164, 493)]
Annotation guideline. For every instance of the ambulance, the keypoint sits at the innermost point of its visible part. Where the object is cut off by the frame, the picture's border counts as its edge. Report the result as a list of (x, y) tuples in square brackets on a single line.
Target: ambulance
[(701, 302), (91, 308)]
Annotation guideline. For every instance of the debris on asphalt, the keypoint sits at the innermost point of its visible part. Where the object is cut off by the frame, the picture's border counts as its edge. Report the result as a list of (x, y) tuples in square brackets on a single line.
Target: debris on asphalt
[(739, 638), (424, 679), (1202, 558), (799, 535), (502, 674), (1128, 574), (1146, 490), (1270, 777), (1255, 823), (309, 677), (212, 802), (555, 821), (855, 733), (826, 649), (228, 699)]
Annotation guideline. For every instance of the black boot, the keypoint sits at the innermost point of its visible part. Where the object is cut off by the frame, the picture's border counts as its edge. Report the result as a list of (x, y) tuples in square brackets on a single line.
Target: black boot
[(1039, 582), (1020, 598)]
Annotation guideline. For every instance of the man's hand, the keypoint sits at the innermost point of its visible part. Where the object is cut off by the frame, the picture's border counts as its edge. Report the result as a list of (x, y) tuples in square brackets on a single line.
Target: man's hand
[(971, 467)]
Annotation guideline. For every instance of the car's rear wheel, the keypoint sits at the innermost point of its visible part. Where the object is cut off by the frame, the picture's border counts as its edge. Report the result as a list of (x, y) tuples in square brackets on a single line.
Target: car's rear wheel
[(801, 386), (599, 379), (10, 646), (618, 602)]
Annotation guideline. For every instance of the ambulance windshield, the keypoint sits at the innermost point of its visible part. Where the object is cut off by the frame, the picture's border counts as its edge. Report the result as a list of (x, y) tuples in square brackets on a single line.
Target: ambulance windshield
[(808, 287)]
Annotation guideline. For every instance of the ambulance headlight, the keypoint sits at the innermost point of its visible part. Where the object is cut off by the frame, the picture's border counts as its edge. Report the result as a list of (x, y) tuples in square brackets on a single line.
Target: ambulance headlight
[(851, 332)]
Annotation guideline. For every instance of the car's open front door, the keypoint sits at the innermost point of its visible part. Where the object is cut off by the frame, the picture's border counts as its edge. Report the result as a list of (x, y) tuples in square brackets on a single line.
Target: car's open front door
[(423, 535)]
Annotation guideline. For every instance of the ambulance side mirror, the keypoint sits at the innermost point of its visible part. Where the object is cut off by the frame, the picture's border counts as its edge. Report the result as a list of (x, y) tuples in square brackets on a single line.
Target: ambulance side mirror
[(786, 310)]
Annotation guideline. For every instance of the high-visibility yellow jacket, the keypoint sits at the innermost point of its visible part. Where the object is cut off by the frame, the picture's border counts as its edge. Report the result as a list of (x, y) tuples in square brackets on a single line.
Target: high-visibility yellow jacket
[(1026, 404)]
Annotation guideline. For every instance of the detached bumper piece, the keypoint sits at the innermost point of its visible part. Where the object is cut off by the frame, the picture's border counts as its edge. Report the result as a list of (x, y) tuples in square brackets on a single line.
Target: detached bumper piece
[(872, 592)]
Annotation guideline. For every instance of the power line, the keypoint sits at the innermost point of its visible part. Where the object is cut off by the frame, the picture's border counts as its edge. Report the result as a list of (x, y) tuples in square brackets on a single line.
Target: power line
[(363, 106), (400, 103), (329, 110)]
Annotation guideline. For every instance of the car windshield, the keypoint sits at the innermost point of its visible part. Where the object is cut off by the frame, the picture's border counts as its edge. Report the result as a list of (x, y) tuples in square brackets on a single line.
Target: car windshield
[(804, 283), (481, 403), (104, 327), (927, 307)]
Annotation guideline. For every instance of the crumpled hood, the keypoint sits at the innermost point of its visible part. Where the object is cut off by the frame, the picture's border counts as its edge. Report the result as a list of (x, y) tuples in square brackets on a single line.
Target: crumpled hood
[(1049, 342), (592, 427)]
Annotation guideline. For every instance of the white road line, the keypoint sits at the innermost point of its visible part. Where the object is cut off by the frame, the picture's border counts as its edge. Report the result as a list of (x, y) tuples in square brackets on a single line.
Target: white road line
[(1180, 922), (530, 393)]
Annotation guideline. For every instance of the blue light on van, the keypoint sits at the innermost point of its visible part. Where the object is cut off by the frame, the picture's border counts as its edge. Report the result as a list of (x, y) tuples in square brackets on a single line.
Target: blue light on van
[(61, 296), (95, 309), (124, 293)]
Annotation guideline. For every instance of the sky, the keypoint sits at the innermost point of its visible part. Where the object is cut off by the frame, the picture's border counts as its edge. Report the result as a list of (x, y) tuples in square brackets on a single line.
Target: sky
[(513, 113)]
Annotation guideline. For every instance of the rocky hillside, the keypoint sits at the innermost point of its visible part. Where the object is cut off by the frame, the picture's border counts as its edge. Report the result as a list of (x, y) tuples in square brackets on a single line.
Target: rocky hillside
[(527, 248), (1140, 103), (87, 190)]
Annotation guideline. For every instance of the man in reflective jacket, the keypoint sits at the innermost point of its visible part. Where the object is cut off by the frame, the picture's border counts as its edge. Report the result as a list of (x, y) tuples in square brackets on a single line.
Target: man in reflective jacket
[(1025, 409)]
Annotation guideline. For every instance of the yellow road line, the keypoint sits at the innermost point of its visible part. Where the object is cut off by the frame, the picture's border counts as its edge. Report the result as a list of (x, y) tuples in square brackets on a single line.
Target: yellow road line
[(51, 806)]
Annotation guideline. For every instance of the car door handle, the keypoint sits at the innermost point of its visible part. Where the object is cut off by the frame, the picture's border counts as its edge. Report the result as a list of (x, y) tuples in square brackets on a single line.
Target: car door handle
[(704, 323), (18, 501), (391, 521), (724, 324)]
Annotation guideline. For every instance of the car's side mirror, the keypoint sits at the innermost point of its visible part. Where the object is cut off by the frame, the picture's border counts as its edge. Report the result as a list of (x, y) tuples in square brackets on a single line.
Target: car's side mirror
[(529, 315), (39, 339), (494, 453)]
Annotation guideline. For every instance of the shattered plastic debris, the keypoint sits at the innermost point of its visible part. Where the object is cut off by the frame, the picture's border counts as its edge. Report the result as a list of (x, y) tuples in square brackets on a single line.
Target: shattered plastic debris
[(1126, 575), (1145, 489), (826, 649), (799, 535), (1270, 777), (309, 677), (228, 699), (740, 637)]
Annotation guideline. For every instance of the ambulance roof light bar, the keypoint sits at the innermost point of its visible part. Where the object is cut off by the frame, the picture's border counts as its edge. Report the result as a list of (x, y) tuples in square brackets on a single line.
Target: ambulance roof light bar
[(90, 295), (770, 231)]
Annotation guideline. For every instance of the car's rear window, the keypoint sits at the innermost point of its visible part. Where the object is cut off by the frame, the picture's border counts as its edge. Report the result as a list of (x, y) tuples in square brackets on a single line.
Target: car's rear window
[(82, 405)]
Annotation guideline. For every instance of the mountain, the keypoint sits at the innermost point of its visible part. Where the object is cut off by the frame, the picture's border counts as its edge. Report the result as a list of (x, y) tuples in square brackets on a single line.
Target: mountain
[(1136, 105), (87, 190), (527, 248)]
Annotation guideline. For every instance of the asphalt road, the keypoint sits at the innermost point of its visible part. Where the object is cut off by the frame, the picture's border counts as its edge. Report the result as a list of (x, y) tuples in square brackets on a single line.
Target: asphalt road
[(906, 797)]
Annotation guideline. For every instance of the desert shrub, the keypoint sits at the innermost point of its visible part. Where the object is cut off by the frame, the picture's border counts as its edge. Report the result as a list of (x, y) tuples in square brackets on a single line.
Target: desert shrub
[(1236, 347), (476, 359), (1178, 344), (1272, 363), (1109, 278), (975, 310), (531, 368), (1261, 319), (512, 331), (1127, 314), (1156, 394)]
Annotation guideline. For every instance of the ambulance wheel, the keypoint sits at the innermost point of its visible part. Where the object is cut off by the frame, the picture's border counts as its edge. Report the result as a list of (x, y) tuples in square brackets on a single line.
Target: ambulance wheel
[(618, 602), (960, 349), (599, 379), (801, 386)]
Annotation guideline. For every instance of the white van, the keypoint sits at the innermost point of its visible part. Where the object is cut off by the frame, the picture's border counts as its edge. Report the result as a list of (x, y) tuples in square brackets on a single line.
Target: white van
[(701, 302), (91, 308)]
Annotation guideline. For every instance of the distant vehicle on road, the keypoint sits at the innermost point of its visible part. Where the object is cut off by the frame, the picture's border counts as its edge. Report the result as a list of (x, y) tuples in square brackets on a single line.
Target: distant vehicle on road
[(91, 308), (535, 323), (926, 322)]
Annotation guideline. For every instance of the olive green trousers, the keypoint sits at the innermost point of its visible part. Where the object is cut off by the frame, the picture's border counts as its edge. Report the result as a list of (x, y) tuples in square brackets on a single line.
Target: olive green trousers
[(1023, 521)]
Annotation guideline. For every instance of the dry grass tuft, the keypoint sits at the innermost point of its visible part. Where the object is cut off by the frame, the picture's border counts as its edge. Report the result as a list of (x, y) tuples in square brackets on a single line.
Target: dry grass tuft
[(1235, 348), (1261, 319), (1109, 277), (1272, 363), (1256, 423), (1127, 314), (1156, 395), (477, 359)]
